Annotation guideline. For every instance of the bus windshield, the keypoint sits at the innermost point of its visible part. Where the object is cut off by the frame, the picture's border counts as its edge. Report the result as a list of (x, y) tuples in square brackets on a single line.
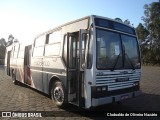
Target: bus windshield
[(116, 51)]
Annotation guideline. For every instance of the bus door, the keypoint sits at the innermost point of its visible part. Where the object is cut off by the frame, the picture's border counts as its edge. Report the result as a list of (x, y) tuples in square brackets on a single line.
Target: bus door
[(82, 51), (8, 62), (75, 73), (27, 63)]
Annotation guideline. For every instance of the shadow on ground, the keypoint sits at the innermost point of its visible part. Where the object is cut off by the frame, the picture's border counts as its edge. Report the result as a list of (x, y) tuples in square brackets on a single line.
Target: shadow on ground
[(143, 103)]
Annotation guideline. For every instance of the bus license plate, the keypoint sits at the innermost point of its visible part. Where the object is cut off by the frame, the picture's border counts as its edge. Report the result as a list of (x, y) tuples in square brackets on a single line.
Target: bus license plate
[(124, 97)]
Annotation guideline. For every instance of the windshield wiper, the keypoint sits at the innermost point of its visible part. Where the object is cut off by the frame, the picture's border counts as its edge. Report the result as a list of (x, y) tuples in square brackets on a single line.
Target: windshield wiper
[(130, 62), (113, 68)]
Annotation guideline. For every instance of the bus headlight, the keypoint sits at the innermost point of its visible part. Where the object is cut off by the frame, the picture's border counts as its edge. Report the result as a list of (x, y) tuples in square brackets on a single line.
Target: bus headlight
[(98, 89), (104, 88), (135, 84), (101, 88)]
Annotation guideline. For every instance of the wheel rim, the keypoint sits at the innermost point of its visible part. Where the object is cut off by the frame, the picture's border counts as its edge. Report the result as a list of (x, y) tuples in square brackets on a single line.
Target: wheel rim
[(58, 94)]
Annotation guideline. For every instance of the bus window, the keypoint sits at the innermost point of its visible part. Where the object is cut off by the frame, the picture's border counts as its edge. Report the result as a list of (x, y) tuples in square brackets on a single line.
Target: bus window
[(84, 38), (52, 49), (15, 54), (72, 52), (90, 54), (40, 41), (55, 37), (21, 54), (16, 47), (21, 47), (38, 51), (65, 50)]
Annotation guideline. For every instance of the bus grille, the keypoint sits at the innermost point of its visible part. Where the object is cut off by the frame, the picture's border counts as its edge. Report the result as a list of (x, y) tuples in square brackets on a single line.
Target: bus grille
[(111, 80)]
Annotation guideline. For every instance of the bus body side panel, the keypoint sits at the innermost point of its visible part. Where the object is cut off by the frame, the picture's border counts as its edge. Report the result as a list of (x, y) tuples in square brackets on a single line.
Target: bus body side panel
[(20, 70), (11, 64), (89, 73), (37, 73), (12, 61), (27, 63), (83, 24), (53, 67)]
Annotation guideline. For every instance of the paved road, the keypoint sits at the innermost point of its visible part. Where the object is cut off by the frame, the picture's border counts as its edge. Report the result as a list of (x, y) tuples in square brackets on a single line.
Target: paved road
[(21, 98)]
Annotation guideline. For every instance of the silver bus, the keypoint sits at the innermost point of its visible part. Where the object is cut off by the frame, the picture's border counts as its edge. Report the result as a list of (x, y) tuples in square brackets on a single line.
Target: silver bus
[(88, 62)]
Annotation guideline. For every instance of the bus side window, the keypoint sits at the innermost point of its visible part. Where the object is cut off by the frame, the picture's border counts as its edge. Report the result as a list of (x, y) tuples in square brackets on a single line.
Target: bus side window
[(38, 51), (21, 54), (54, 37), (15, 54), (65, 50), (16, 47), (40, 41), (72, 52), (21, 51), (83, 47), (90, 54), (52, 49), (47, 39)]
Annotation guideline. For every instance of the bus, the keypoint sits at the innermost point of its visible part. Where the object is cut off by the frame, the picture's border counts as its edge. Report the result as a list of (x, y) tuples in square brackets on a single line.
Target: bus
[(88, 62)]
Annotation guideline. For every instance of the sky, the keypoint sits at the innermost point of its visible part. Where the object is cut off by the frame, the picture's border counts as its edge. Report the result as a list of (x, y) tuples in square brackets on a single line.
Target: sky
[(25, 19)]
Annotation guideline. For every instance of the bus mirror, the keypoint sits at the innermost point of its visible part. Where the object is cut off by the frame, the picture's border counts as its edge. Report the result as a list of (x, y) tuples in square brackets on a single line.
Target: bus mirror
[(83, 66)]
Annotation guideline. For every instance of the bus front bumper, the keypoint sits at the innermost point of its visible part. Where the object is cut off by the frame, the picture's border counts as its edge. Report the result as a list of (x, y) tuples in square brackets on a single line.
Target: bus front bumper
[(116, 98)]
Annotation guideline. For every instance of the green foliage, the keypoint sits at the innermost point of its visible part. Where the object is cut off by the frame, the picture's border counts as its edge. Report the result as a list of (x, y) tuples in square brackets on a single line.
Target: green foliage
[(2, 50), (127, 22), (142, 32), (2, 54), (149, 34), (10, 40), (4, 44)]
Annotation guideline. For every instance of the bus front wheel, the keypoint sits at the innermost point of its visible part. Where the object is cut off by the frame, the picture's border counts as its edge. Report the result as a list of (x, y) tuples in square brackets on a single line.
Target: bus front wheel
[(58, 94)]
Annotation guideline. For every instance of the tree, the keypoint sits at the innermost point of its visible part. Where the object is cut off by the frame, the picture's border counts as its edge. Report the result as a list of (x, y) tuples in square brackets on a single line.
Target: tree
[(2, 50), (127, 22), (2, 42), (152, 24), (142, 34), (152, 21), (15, 41), (10, 40)]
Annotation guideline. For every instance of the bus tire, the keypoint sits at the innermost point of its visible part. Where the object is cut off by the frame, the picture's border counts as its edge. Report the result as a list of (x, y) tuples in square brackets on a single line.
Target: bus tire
[(58, 94)]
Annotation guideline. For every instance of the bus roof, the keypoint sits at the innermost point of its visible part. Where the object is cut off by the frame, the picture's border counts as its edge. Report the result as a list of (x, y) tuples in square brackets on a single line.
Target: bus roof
[(83, 18)]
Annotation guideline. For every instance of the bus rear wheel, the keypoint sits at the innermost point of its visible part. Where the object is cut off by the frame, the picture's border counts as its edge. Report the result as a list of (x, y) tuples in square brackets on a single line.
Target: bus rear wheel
[(58, 94)]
